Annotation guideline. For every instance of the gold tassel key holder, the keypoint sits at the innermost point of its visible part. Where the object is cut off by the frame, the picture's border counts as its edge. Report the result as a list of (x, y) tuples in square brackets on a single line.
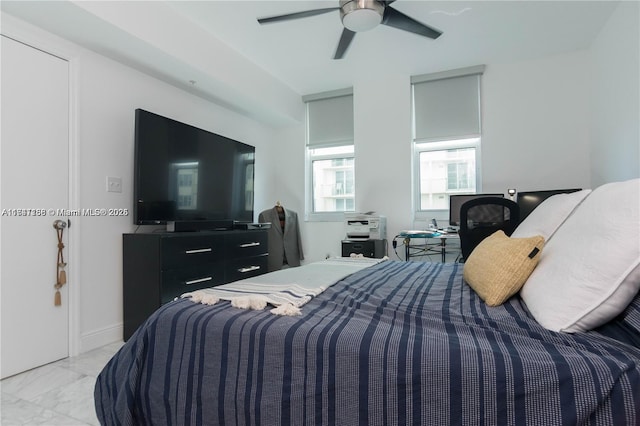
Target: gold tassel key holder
[(61, 275)]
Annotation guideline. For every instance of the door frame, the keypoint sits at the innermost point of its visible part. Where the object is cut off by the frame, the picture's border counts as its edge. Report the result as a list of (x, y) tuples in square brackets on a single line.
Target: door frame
[(48, 43)]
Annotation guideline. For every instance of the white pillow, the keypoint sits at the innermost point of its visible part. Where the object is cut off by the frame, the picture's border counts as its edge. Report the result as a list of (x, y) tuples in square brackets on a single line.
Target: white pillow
[(549, 215), (590, 270)]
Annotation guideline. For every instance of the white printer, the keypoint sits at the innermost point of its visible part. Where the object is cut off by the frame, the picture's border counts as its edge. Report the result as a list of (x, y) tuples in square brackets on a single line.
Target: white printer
[(365, 226)]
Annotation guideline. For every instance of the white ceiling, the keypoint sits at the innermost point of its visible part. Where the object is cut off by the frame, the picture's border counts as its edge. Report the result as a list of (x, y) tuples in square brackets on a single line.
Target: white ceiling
[(297, 54), (474, 32)]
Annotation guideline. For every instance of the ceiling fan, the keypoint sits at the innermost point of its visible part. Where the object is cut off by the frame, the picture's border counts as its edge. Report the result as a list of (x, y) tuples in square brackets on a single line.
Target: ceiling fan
[(362, 15)]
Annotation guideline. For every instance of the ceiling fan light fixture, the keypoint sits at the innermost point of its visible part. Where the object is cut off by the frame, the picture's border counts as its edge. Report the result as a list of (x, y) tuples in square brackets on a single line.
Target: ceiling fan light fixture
[(361, 15)]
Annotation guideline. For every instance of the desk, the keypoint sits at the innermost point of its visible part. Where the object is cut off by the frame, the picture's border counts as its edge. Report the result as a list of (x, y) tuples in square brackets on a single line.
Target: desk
[(413, 250)]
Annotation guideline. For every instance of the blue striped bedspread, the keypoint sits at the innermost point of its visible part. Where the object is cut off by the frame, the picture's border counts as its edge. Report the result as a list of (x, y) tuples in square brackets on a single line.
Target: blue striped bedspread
[(398, 343)]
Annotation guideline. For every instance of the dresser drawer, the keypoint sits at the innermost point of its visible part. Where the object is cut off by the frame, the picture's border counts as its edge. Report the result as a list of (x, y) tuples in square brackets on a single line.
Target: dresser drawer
[(157, 267), (247, 244), (193, 251), (239, 269), (178, 281)]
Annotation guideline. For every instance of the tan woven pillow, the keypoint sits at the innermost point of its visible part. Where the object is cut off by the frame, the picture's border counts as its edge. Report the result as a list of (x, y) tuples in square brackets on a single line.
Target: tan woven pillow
[(499, 266)]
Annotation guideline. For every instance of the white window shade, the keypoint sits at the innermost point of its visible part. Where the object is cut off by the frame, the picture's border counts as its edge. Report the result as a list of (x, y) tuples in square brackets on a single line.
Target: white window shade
[(330, 121), (447, 107)]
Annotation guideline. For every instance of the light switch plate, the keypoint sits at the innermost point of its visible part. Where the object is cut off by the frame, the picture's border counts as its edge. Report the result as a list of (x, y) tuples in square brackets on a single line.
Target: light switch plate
[(114, 184)]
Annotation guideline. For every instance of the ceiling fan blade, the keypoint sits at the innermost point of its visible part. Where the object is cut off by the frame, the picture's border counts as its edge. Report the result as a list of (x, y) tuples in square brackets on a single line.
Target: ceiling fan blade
[(343, 44), (296, 15), (399, 20)]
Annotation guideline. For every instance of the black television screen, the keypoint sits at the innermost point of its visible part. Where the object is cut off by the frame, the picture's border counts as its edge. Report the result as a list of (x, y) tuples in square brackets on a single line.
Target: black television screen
[(183, 173), (456, 201), (529, 200)]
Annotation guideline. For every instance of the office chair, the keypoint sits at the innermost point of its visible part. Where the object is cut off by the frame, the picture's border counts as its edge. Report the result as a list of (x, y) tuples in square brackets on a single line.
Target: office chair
[(481, 217)]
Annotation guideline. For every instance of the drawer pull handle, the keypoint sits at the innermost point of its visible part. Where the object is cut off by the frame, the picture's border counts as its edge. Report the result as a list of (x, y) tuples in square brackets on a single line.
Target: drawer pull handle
[(250, 244), (202, 250), (200, 280), (248, 269)]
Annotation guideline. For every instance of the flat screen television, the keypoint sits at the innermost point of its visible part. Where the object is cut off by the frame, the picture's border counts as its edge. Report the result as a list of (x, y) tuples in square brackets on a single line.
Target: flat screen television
[(529, 200), (456, 201), (186, 174)]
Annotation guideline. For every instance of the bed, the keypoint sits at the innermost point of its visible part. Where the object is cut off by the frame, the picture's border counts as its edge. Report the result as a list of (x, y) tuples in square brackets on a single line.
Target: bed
[(393, 343)]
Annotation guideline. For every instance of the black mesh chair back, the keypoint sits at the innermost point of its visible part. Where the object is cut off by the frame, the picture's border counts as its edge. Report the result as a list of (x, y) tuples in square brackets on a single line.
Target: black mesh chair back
[(481, 217)]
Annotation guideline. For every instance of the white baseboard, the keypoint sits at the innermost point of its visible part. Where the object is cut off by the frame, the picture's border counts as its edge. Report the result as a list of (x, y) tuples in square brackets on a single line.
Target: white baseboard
[(98, 338)]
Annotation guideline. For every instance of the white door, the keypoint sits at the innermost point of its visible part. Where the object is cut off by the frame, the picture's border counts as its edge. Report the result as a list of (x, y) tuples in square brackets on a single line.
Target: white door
[(34, 154)]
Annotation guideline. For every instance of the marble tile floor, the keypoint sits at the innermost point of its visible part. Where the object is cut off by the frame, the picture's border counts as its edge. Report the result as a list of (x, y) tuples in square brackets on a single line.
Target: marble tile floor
[(60, 393)]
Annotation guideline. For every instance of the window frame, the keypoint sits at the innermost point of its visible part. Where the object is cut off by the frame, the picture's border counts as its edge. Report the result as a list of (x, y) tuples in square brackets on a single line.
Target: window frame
[(452, 140), (311, 214), (419, 146), (341, 139)]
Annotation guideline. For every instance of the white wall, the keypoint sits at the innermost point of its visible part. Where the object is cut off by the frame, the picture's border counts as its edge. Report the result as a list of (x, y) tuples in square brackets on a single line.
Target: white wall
[(106, 95), (382, 131), (535, 136), (564, 121), (383, 156), (615, 68), (536, 124)]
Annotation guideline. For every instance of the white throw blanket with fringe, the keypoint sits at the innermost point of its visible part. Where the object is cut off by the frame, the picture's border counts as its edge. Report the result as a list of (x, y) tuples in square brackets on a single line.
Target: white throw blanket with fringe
[(287, 289)]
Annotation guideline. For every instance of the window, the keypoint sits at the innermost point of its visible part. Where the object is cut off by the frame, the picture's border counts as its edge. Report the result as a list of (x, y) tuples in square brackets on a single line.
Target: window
[(330, 155), (444, 169), (248, 179), (446, 137), (186, 189), (461, 172), (332, 179)]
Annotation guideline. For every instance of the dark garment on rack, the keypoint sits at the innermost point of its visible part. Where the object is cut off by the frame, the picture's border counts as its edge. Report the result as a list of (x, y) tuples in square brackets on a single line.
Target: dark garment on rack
[(285, 244)]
